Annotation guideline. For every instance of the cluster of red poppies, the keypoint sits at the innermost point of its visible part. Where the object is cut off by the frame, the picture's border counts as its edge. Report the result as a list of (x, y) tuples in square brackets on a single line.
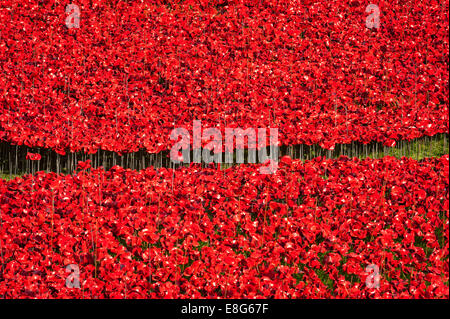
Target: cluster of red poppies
[(135, 70), (131, 72), (310, 230)]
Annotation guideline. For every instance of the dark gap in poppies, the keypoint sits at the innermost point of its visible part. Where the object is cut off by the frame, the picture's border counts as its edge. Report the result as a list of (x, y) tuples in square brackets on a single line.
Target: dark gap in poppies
[(14, 160)]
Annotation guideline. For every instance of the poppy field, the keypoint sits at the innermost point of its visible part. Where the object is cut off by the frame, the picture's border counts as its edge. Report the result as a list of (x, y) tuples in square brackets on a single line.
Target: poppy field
[(306, 232), (133, 71), (93, 206)]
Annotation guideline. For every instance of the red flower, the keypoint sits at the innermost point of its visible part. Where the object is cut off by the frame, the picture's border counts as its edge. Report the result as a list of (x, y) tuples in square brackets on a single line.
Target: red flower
[(33, 156)]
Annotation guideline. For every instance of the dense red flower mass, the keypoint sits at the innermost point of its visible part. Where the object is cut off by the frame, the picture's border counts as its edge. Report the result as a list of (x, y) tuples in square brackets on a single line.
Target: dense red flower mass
[(134, 70), (307, 231), (33, 156)]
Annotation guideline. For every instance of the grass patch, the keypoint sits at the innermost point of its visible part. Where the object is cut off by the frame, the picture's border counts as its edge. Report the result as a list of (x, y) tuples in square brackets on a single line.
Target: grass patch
[(8, 177), (325, 278)]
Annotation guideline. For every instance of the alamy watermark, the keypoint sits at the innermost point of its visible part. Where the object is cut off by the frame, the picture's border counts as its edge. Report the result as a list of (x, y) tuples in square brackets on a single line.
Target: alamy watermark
[(257, 139), (373, 19), (73, 280), (73, 19), (373, 279)]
